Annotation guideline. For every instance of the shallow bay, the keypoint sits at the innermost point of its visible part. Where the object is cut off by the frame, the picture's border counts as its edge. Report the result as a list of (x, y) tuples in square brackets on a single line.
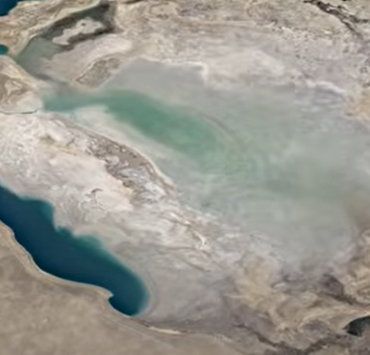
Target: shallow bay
[(58, 252), (285, 165)]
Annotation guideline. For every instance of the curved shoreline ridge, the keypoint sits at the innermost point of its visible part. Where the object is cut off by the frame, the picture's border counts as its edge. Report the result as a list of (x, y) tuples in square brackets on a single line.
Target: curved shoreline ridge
[(123, 333), (29, 264), (219, 149), (61, 254)]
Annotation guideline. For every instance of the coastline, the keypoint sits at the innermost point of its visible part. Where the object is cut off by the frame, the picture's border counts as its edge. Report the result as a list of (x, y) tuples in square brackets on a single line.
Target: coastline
[(292, 46), (31, 267), (128, 332)]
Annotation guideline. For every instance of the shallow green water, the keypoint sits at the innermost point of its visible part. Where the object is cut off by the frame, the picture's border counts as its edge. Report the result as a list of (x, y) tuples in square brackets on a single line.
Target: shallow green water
[(174, 127), (60, 253), (291, 171)]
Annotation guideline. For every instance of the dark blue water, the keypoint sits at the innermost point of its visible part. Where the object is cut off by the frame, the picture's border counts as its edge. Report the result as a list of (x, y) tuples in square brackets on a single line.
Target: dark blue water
[(58, 252), (7, 5)]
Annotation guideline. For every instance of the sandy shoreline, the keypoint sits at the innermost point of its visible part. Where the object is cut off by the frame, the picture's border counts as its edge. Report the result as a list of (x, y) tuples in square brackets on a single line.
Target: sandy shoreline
[(31, 267), (204, 284)]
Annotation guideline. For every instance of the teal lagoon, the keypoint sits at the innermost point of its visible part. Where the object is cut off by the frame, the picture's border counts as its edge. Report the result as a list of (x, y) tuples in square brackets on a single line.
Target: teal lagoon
[(281, 166), (3, 49)]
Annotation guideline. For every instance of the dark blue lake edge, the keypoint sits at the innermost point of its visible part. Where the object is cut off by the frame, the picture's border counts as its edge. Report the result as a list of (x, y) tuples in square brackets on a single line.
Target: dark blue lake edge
[(56, 251), (7, 5)]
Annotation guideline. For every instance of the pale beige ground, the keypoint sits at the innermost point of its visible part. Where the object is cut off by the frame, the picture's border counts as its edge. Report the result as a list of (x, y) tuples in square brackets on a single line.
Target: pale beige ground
[(313, 44), (42, 315)]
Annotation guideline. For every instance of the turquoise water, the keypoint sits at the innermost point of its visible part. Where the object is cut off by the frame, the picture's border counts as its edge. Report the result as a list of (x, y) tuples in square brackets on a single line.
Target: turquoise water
[(171, 126), (58, 252), (3, 49), (292, 172)]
